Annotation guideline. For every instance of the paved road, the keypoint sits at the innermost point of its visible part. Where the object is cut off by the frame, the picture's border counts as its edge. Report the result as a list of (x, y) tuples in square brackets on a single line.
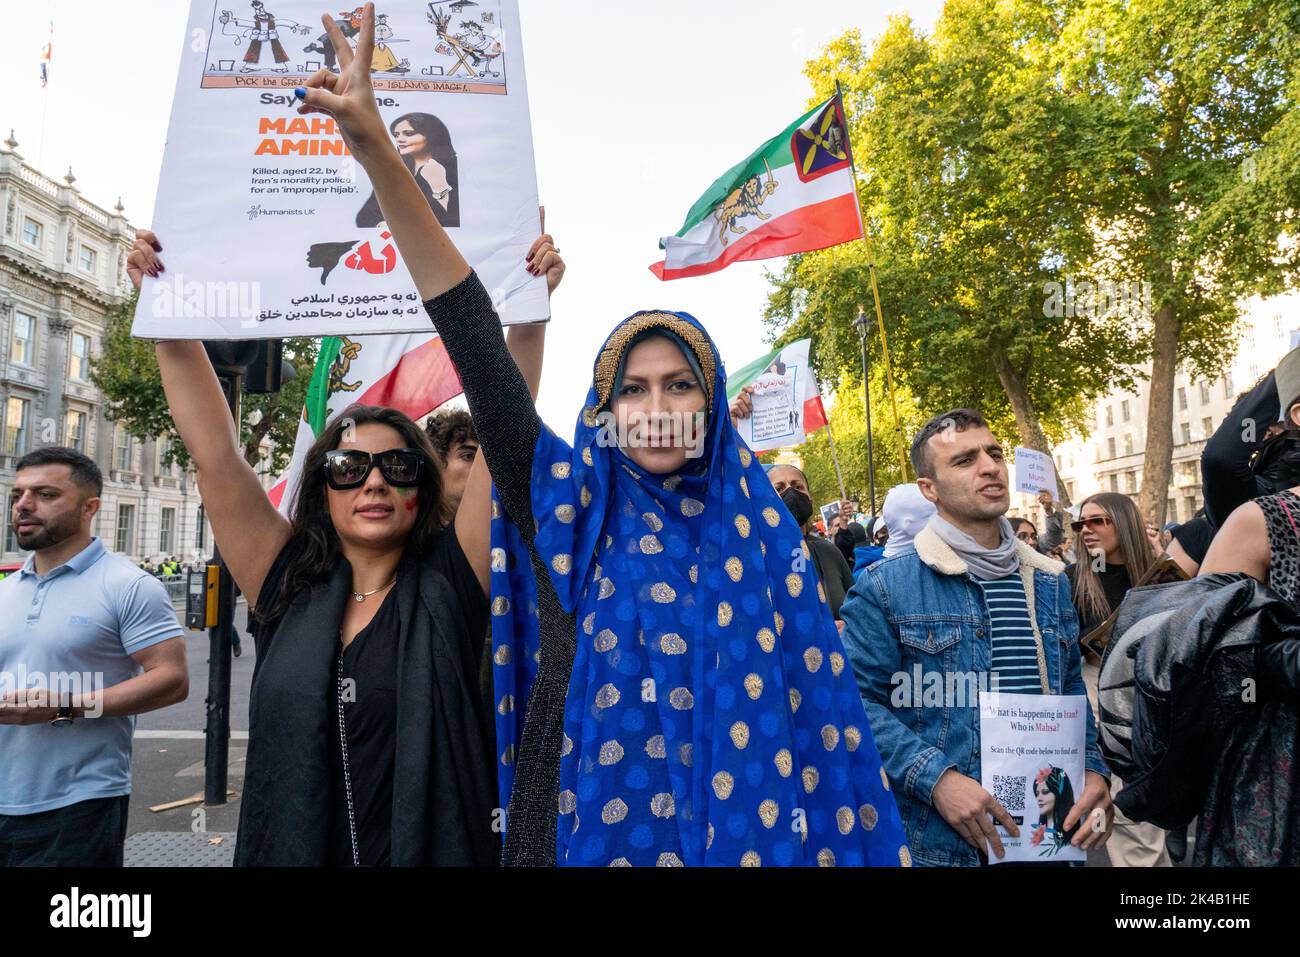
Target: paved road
[(167, 765)]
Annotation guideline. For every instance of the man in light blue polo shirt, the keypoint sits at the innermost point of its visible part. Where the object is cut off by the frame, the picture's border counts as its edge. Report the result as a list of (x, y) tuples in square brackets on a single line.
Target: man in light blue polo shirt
[(87, 641)]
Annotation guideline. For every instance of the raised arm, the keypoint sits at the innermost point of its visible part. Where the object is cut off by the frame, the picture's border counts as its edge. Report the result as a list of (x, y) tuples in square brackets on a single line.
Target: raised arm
[(526, 345), (461, 309), (248, 529)]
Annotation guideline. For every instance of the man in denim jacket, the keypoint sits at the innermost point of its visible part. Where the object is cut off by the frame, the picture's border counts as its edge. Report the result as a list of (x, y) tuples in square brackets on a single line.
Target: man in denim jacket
[(970, 602)]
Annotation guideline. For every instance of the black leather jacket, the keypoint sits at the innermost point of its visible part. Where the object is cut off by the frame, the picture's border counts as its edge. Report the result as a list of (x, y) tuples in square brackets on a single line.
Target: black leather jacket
[(1190, 661)]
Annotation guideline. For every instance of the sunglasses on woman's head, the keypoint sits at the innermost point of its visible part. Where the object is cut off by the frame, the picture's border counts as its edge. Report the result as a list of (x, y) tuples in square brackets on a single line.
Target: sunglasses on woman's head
[(1097, 521), (349, 468)]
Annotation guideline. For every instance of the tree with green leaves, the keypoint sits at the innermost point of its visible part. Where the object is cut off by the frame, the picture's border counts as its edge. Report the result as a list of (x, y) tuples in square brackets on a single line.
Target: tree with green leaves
[(126, 372), (1197, 145), (848, 425), (1027, 160), (972, 170)]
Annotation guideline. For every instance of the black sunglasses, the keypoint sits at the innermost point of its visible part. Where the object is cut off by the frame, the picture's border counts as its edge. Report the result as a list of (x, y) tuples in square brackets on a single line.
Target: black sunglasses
[(349, 468)]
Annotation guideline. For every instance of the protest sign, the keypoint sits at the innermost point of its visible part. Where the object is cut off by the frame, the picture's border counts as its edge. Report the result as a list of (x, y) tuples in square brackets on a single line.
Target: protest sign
[(787, 403), (271, 228), (1035, 472), (1031, 761)]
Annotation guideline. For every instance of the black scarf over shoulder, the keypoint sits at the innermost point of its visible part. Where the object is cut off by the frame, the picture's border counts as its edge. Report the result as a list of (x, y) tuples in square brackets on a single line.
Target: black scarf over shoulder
[(444, 787)]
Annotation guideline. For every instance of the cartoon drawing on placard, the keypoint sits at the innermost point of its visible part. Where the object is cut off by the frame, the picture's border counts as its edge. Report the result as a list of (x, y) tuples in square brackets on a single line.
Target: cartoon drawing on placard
[(467, 53), (264, 28), (384, 59), (474, 44), (349, 25)]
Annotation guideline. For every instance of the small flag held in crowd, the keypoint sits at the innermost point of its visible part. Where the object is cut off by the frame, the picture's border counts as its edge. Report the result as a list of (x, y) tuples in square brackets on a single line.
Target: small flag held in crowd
[(46, 53), (794, 194), (410, 373), (787, 403)]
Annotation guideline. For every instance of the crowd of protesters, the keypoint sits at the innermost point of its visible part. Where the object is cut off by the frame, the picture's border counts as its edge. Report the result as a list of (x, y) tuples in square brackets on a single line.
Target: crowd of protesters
[(481, 643)]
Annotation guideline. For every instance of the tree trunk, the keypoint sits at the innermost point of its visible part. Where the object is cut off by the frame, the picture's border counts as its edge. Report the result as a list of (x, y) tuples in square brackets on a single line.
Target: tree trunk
[(1160, 416), (1027, 424)]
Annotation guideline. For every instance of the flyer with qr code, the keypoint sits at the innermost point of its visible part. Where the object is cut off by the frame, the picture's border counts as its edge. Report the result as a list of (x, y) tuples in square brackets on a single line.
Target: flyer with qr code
[(1032, 750)]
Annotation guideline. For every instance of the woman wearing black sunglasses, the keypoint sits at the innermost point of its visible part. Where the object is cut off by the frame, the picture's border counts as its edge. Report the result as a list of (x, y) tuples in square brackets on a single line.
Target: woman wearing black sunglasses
[(367, 739)]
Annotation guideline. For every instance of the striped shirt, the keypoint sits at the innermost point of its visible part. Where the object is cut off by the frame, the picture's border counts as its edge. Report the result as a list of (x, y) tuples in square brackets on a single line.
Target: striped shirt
[(1014, 651)]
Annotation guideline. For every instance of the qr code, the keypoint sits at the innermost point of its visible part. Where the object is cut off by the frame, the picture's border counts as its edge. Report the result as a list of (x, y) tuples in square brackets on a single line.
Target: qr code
[(1009, 790)]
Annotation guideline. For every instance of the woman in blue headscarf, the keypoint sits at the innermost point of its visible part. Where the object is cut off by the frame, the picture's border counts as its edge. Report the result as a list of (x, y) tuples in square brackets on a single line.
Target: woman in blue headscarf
[(657, 622), (708, 718)]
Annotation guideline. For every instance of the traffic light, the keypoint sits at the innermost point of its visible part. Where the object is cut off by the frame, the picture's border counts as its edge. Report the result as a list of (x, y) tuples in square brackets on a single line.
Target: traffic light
[(259, 361)]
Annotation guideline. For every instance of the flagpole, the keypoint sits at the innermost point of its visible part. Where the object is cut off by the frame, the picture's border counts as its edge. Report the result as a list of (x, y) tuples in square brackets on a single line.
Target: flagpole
[(836, 459), (880, 316), (861, 325)]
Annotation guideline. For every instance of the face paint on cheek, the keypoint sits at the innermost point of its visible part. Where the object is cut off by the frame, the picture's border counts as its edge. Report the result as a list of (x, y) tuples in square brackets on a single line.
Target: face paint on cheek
[(410, 498)]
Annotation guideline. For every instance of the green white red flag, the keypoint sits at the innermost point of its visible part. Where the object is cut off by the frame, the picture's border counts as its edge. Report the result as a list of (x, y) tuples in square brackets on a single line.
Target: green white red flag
[(794, 194), (787, 403), (411, 373)]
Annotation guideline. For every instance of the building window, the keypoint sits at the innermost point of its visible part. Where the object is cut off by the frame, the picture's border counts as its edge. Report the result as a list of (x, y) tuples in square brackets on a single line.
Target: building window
[(1171, 510), (75, 430), (125, 529), (200, 532), (1128, 444), (1110, 415), (1186, 432), (11, 534), (1130, 481), (89, 259), (1190, 507), (20, 350), (1124, 410), (166, 522), (1205, 393), (1254, 372), (17, 414), (1114, 482), (1207, 424), (1069, 488), (79, 366), (1227, 386), (165, 449), (1110, 447), (32, 232), (1182, 398), (124, 452)]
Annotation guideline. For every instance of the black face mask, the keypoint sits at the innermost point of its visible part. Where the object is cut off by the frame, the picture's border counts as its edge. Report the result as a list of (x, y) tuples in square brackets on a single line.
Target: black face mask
[(799, 504)]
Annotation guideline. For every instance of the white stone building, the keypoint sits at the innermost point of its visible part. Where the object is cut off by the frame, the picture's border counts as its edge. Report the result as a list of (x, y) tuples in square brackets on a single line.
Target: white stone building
[(62, 271), (1111, 457)]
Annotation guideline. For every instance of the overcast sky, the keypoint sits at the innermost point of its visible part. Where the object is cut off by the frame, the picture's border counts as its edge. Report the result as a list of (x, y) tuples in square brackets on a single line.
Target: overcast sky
[(636, 109)]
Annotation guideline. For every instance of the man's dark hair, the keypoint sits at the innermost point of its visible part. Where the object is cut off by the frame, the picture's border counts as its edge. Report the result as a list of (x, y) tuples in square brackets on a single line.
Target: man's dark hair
[(449, 429), (84, 470), (958, 419)]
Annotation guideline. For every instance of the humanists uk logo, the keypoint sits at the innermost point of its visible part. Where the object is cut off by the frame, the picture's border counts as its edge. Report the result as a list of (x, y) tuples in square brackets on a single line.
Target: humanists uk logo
[(102, 910)]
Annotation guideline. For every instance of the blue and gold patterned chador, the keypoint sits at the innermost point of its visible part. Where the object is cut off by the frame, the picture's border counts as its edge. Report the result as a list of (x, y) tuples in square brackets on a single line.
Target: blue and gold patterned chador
[(711, 716)]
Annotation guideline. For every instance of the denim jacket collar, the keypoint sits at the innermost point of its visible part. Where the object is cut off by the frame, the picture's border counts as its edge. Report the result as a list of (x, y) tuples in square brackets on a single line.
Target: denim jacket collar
[(939, 556)]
